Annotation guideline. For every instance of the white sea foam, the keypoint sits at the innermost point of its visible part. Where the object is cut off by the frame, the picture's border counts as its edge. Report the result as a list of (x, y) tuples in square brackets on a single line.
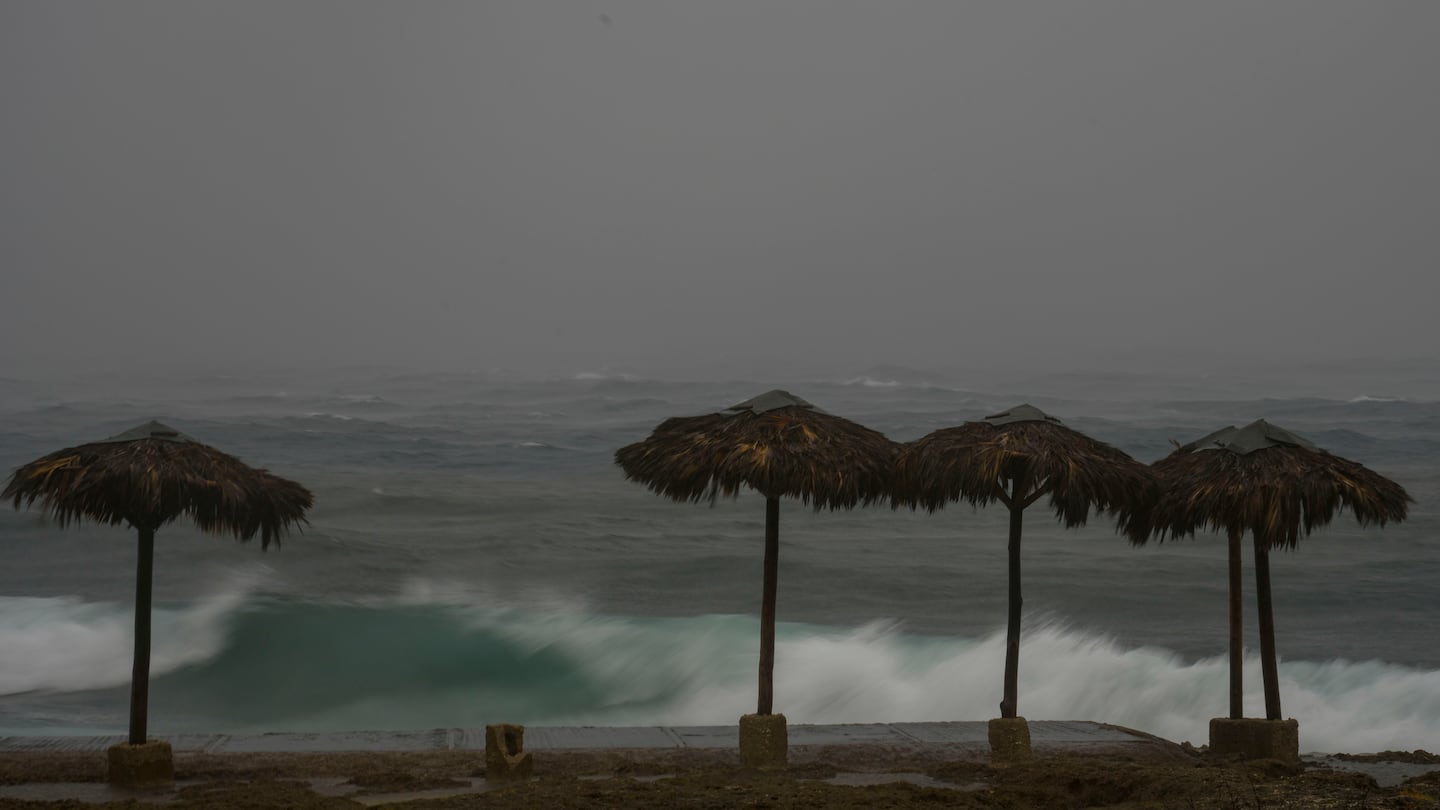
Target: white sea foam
[(696, 670), (64, 644), (478, 601), (702, 671)]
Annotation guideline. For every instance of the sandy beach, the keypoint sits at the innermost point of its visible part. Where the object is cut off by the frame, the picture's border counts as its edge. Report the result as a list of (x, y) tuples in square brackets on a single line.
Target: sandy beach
[(1146, 772)]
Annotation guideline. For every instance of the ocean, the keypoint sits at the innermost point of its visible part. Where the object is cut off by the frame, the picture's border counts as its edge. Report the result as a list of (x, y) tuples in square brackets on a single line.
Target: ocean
[(474, 556)]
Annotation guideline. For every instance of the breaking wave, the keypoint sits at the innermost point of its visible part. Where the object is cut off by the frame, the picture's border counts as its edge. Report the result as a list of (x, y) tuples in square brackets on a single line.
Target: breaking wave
[(244, 663)]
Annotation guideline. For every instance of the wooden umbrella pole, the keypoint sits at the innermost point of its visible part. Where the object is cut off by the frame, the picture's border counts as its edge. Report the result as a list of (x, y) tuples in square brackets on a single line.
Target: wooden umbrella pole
[(767, 606), (140, 673), (1008, 706), (1270, 671), (1237, 649)]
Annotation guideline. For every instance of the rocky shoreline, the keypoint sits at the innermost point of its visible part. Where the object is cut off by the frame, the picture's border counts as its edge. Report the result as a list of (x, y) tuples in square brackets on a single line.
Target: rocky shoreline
[(857, 775)]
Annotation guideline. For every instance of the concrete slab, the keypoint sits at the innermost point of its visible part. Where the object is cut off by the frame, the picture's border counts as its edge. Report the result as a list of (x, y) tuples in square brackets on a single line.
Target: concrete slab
[(538, 738), (61, 744), (180, 742), (966, 733), (543, 738), (466, 739), (1070, 732), (882, 733), (709, 736)]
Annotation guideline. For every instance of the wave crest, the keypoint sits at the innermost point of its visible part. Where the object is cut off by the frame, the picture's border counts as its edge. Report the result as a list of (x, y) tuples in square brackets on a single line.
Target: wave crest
[(446, 658), (64, 644)]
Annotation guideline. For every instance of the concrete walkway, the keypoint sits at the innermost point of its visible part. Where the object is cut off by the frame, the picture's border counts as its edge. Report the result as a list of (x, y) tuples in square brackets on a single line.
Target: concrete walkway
[(1043, 733)]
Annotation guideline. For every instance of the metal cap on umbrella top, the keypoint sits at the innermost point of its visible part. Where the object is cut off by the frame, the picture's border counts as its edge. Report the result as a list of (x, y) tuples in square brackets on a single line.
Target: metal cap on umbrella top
[(1020, 413), (149, 430), (1015, 458), (1276, 485), (1258, 435), (778, 445), (147, 477), (769, 401)]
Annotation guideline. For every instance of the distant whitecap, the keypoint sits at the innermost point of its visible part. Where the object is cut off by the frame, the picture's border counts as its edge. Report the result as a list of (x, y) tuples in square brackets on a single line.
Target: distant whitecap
[(597, 375), (870, 382)]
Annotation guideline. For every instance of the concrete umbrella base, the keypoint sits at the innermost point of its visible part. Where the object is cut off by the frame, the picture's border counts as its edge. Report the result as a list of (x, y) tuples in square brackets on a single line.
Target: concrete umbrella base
[(150, 764), (764, 741), (1009, 741), (1249, 738)]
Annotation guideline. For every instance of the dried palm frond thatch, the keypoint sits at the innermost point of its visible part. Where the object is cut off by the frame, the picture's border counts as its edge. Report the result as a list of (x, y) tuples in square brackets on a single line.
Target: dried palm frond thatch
[(1015, 458), (148, 477), (1278, 493), (1279, 487), (977, 462), (790, 450), (149, 482), (780, 446)]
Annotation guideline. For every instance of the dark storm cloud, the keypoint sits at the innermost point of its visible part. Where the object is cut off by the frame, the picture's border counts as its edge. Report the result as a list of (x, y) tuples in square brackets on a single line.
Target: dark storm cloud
[(738, 185)]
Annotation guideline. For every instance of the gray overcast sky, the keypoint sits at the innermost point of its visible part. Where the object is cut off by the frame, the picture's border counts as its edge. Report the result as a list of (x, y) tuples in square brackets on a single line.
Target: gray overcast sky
[(680, 186)]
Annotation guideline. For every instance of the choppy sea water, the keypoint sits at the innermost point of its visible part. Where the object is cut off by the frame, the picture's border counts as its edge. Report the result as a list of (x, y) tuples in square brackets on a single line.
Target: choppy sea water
[(474, 556)]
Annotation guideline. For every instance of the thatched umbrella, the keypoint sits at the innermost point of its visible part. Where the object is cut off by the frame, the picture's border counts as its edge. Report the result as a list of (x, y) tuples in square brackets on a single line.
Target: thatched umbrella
[(778, 445), (147, 477), (1016, 458), (1277, 486)]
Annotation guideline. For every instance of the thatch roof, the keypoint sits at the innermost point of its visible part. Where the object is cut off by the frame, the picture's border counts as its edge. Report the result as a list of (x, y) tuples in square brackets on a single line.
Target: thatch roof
[(777, 444), (153, 474), (1266, 481), (974, 462)]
